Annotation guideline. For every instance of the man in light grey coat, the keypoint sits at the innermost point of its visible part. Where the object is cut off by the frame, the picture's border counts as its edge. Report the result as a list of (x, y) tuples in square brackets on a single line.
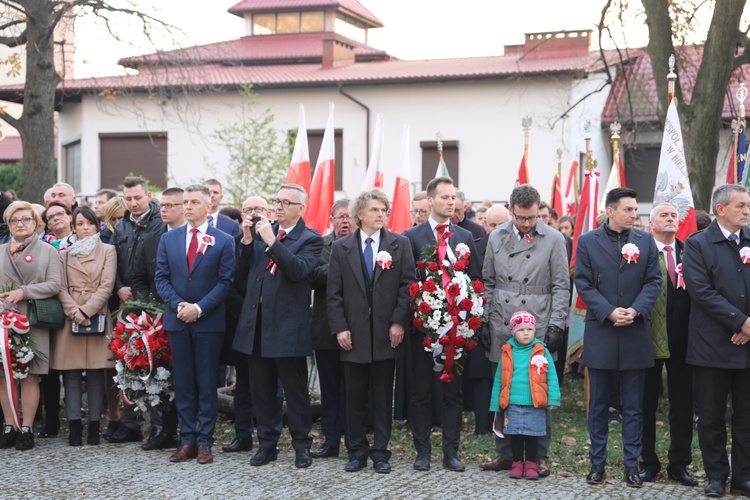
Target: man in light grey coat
[(525, 268)]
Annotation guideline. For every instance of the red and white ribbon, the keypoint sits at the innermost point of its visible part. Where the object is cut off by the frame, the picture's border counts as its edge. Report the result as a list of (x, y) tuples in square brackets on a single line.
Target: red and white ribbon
[(10, 381), (630, 253), (680, 278), (745, 255)]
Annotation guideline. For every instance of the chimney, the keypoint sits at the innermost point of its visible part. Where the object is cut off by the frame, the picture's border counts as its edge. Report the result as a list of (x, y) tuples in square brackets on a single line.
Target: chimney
[(553, 44), (337, 53)]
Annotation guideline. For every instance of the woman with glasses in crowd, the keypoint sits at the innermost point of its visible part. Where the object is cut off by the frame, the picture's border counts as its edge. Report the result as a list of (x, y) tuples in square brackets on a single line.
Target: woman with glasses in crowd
[(59, 222)]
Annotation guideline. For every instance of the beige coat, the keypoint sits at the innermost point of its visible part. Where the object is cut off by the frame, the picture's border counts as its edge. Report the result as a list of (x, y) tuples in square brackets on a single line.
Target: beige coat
[(88, 284), (39, 265)]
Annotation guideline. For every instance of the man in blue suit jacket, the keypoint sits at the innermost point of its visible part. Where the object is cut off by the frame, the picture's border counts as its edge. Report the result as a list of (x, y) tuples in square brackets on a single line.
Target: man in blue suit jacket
[(274, 326), (194, 272), (619, 290)]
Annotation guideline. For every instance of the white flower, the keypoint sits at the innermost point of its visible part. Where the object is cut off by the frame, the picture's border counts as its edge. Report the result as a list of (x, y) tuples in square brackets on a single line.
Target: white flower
[(155, 400), (161, 373)]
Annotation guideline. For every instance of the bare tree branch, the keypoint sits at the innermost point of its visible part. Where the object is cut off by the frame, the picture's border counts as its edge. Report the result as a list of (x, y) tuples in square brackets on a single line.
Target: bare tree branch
[(14, 41), (13, 122)]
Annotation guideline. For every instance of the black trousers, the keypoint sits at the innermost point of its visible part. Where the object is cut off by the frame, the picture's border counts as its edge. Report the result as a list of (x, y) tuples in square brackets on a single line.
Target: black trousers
[(482, 414), (332, 399), (359, 377), (243, 398), (50, 391), (420, 411), (713, 386), (680, 391)]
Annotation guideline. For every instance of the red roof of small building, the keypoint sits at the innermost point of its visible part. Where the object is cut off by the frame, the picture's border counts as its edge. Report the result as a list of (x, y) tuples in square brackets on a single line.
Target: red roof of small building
[(11, 149), (350, 7)]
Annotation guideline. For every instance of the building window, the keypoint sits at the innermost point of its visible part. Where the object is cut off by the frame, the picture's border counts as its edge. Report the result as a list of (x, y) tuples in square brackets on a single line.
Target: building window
[(430, 161), (314, 141), (264, 24), (641, 164), (72, 164), (287, 22), (312, 21), (133, 154)]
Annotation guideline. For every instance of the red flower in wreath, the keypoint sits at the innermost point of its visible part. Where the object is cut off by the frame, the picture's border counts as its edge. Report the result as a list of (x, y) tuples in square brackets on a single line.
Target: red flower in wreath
[(453, 310), (460, 341), (478, 286), (414, 290), (466, 305), (421, 265), (471, 344), (418, 323), (426, 342), (424, 308), (475, 323), (460, 265), (444, 340), (433, 267), (429, 286), (453, 290)]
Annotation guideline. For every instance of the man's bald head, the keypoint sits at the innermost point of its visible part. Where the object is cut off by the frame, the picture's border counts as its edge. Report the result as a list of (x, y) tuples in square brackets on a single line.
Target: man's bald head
[(64, 193), (496, 216)]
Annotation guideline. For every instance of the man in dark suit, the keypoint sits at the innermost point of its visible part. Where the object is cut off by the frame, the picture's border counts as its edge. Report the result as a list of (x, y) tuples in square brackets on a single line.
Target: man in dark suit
[(717, 277), (368, 308), (669, 326), (442, 198), (327, 351), (459, 217), (194, 271), (216, 219), (274, 326), (163, 425), (618, 277)]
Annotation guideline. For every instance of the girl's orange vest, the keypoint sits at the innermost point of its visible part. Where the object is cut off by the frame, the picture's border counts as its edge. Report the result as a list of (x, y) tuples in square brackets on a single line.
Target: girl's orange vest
[(537, 381)]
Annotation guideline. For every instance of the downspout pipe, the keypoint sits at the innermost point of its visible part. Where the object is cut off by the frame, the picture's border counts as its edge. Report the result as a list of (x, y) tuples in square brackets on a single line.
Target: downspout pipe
[(367, 111)]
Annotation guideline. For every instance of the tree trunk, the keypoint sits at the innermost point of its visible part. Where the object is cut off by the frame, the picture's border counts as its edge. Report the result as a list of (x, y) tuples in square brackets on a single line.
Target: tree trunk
[(37, 123)]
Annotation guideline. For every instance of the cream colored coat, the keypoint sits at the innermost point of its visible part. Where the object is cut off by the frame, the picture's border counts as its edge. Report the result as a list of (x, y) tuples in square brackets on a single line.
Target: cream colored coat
[(39, 265), (87, 283)]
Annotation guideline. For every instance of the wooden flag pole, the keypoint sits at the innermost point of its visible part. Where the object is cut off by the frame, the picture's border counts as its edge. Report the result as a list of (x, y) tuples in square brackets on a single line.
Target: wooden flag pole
[(526, 124)]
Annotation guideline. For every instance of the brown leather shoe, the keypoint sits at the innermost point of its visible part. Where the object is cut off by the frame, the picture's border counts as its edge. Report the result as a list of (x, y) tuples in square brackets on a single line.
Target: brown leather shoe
[(184, 453), (498, 463), (204, 454), (542, 467)]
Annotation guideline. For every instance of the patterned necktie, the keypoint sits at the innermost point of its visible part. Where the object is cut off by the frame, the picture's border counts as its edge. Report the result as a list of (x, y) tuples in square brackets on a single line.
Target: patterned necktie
[(211, 221), (368, 257), (192, 249), (733, 238), (271, 264), (671, 266), (281, 235)]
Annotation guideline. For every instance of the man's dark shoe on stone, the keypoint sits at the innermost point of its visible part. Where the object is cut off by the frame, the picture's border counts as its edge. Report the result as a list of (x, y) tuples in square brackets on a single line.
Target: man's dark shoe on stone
[(326, 451), (126, 435), (741, 488), (112, 429), (715, 488), (453, 463), (542, 467), (422, 462), (302, 459), (381, 466), (264, 455), (184, 453), (683, 477), (497, 464), (648, 475), (49, 431), (239, 444), (633, 478), (597, 475), (160, 441), (355, 464)]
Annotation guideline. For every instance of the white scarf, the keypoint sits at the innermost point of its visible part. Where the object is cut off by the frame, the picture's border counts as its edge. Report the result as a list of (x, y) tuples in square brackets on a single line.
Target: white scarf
[(81, 248)]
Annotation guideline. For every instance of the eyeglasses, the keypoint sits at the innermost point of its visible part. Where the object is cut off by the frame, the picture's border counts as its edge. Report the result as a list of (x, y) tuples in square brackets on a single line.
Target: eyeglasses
[(420, 212), (342, 217), (257, 210), (532, 218), (51, 217), (23, 220), (169, 206), (284, 203)]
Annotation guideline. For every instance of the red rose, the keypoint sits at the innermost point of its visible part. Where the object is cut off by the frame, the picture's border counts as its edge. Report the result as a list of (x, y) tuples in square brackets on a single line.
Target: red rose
[(412, 308), (414, 290), (138, 344), (429, 286), (424, 308), (484, 299), (460, 341), (417, 322), (453, 290), (471, 344), (119, 328), (466, 305), (475, 323), (426, 342), (459, 266), (453, 310), (478, 286), (421, 265), (444, 340), (433, 267)]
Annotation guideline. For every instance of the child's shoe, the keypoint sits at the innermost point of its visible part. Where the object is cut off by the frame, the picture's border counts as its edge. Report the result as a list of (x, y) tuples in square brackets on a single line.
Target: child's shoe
[(530, 471), (516, 470)]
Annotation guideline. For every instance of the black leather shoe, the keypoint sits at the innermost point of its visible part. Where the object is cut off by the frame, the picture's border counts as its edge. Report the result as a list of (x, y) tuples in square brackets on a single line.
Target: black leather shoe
[(741, 488), (648, 475), (633, 478), (422, 462), (112, 429), (326, 451), (239, 444), (126, 435), (25, 439), (597, 475), (715, 488), (453, 463), (355, 464), (381, 466), (683, 477), (161, 441), (264, 455), (48, 432), (302, 459)]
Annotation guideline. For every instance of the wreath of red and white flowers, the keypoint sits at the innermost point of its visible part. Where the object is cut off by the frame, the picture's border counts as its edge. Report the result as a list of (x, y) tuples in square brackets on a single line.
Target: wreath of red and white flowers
[(447, 307), (143, 360)]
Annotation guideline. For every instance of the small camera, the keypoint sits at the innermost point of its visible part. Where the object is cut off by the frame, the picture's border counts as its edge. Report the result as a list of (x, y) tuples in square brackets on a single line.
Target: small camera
[(255, 219)]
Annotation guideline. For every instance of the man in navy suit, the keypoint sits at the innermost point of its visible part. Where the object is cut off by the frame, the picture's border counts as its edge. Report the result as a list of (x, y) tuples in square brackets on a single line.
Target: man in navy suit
[(441, 195), (216, 219), (194, 272), (274, 326), (618, 277)]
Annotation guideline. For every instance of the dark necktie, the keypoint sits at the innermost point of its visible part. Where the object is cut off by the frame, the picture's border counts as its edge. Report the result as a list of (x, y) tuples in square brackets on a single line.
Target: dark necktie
[(211, 221), (368, 257), (733, 238), (271, 264), (671, 266), (192, 249)]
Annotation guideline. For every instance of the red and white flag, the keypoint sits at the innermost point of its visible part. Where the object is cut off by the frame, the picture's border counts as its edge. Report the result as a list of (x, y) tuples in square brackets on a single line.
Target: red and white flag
[(299, 169), (523, 173), (374, 175), (557, 202), (442, 168), (586, 216), (616, 179), (318, 212), (400, 218), (571, 191), (672, 183)]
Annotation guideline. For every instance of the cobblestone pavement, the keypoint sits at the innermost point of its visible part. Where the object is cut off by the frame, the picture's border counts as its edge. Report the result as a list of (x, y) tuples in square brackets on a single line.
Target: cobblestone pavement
[(55, 470)]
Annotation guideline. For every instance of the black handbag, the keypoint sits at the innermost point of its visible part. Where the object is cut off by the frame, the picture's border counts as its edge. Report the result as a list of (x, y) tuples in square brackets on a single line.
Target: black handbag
[(97, 327), (43, 313)]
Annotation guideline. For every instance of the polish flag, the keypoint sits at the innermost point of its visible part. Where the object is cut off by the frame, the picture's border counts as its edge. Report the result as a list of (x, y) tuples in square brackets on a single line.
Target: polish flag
[(557, 202), (672, 183), (616, 179), (586, 216), (299, 170), (523, 173), (571, 191), (374, 175), (400, 218), (321, 191)]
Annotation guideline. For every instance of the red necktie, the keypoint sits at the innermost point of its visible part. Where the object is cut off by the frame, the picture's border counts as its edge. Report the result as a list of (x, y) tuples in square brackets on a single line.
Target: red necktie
[(440, 229), (670, 266), (281, 235), (271, 264), (192, 249)]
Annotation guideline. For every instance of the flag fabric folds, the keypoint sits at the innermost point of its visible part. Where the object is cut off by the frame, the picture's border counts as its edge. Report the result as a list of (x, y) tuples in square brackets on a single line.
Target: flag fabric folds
[(442, 168), (299, 169), (556, 201), (523, 173), (616, 178), (736, 171), (399, 219), (571, 191), (374, 175), (317, 214)]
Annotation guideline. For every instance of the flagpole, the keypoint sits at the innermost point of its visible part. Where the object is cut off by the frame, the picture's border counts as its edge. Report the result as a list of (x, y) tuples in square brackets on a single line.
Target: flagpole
[(440, 149), (526, 125), (590, 167), (559, 153), (671, 77)]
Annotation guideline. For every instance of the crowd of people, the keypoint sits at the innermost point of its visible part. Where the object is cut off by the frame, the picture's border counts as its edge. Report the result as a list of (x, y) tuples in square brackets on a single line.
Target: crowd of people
[(256, 289)]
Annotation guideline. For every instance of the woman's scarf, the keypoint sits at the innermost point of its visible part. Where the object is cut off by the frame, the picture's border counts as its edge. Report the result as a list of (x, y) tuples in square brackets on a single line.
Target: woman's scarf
[(81, 248)]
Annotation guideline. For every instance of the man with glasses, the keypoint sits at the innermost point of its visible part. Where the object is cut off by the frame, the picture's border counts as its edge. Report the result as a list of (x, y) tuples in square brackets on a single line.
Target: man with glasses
[(525, 268), (274, 325), (420, 208)]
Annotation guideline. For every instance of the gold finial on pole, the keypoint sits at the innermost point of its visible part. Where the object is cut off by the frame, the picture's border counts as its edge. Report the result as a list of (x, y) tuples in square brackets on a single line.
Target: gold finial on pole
[(590, 161), (615, 128)]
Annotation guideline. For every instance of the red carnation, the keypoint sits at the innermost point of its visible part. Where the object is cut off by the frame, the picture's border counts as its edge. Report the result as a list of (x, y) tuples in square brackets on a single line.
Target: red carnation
[(466, 305), (460, 341), (424, 308), (444, 340), (429, 286), (421, 265), (119, 328), (475, 323), (478, 286), (471, 344), (426, 342), (453, 310), (433, 267), (412, 309), (459, 266), (138, 344), (414, 290), (453, 290), (484, 299), (417, 322)]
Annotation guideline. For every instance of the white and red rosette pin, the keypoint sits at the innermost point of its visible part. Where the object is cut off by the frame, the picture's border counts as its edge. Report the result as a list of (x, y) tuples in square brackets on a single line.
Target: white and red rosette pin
[(630, 253), (745, 255), (384, 259), (541, 363), (462, 251), (205, 241), (680, 278)]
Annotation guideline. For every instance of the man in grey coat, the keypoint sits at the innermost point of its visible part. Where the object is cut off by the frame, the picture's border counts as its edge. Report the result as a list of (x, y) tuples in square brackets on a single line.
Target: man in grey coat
[(525, 268)]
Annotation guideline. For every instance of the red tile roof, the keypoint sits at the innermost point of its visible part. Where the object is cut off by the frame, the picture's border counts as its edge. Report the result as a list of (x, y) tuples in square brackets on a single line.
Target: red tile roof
[(11, 149), (351, 7), (254, 50)]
